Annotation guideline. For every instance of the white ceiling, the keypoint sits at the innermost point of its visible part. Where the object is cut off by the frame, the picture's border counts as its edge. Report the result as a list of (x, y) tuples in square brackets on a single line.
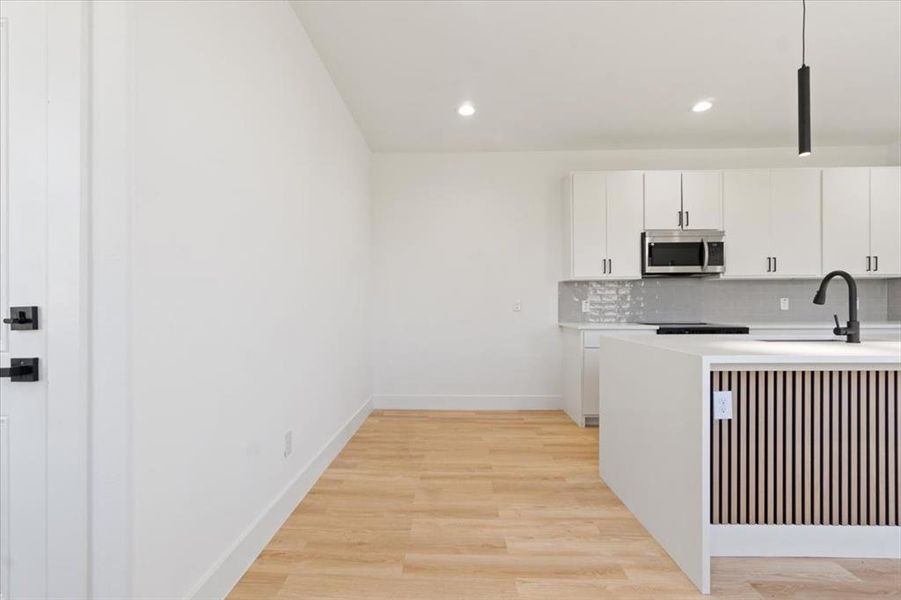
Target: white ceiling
[(552, 75)]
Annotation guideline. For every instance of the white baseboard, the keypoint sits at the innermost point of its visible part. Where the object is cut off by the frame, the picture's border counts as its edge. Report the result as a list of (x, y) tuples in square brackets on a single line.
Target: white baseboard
[(833, 541), (465, 402), (576, 419), (226, 572)]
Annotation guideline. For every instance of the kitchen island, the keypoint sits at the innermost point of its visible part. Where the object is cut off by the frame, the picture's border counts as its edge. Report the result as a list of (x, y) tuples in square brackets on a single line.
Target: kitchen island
[(804, 464)]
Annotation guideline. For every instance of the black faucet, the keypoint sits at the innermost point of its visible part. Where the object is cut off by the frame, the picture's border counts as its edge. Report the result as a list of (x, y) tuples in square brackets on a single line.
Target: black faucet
[(852, 331)]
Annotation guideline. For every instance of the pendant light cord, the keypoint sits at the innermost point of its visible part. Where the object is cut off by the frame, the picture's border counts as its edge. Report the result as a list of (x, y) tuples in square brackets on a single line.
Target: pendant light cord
[(803, 31)]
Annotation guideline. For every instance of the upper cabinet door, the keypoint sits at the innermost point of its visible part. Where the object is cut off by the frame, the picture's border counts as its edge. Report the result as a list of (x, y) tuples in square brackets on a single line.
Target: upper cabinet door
[(885, 220), (746, 213), (589, 224), (795, 222), (624, 221), (662, 200), (846, 220), (702, 199)]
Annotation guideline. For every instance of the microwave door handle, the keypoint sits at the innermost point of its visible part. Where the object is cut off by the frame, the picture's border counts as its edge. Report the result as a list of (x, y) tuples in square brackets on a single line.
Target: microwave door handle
[(706, 253)]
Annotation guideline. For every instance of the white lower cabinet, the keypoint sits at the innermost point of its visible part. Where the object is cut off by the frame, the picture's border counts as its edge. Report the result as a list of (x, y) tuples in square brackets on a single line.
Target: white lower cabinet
[(580, 370), (590, 404)]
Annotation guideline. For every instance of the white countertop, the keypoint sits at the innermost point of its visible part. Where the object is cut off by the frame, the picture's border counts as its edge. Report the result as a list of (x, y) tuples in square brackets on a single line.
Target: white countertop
[(606, 326), (824, 325), (732, 349)]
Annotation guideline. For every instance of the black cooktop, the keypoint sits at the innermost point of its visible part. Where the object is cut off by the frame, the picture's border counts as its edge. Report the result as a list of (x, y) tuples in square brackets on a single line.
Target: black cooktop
[(696, 328)]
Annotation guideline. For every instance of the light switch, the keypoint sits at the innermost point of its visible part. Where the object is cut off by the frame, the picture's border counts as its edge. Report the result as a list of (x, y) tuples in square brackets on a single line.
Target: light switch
[(517, 306), (783, 304), (722, 405), (586, 306)]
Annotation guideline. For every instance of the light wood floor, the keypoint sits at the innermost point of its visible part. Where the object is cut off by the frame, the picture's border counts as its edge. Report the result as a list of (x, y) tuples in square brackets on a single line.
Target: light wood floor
[(458, 505)]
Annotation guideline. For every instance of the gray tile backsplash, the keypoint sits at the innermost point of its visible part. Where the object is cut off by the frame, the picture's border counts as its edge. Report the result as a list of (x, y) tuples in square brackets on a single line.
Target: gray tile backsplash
[(716, 300), (894, 300)]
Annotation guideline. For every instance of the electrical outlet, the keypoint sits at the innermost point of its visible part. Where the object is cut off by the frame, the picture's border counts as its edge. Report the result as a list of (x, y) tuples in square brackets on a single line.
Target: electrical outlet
[(722, 405), (289, 444), (517, 306), (586, 306), (783, 304)]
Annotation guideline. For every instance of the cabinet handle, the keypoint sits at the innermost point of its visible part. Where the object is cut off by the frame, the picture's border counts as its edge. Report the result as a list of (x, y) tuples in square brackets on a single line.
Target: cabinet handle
[(869, 264), (775, 264), (769, 264), (610, 265), (604, 265), (686, 218), (680, 218), (876, 260)]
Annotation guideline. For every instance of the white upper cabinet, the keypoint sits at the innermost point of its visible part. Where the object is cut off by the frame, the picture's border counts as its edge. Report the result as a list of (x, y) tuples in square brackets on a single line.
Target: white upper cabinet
[(624, 219), (795, 222), (683, 200), (746, 212), (772, 223), (662, 200), (589, 224), (702, 199), (885, 221), (861, 221), (602, 225), (846, 220), (778, 223)]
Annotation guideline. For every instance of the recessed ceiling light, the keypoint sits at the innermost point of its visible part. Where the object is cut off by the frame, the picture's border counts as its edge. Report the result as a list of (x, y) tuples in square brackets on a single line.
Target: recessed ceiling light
[(702, 106), (466, 109)]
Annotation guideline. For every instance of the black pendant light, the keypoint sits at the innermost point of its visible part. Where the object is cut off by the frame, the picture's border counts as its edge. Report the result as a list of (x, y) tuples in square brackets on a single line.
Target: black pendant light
[(803, 91)]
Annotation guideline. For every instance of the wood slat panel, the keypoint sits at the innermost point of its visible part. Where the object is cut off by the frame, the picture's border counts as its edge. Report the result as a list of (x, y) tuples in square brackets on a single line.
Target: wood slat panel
[(806, 447)]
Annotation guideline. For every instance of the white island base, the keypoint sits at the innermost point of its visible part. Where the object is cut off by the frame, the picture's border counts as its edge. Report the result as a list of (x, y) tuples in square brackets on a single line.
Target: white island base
[(807, 465)]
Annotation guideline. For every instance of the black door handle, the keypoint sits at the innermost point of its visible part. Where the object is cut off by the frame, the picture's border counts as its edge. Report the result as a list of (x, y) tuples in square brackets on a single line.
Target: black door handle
[(876, 260), (21, 369), (22, 318)]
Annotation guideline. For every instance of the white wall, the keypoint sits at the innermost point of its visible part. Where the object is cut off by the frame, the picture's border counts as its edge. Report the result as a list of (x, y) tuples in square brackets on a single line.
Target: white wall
[(458, 238), (249, 280)]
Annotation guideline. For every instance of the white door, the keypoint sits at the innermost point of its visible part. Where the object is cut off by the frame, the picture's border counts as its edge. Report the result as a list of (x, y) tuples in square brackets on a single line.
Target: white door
[(23, 415), (846, 220), (624, 220), (885, 220), (795, 222), (662, 200), (588, 224), (702, 199), (746, 214)]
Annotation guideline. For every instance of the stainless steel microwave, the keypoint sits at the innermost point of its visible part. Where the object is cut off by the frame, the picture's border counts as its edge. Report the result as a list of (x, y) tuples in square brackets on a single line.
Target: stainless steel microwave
[(677, 252)]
